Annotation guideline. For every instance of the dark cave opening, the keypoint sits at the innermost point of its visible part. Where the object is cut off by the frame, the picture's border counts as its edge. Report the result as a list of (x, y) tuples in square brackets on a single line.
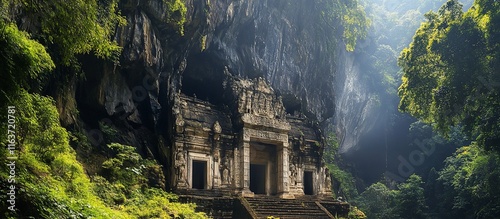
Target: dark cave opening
[(203, 79), (291, 103)]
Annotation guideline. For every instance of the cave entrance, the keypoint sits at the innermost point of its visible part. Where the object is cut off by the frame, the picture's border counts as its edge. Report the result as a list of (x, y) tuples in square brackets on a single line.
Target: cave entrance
[(199, 174), (203, 79), (258, 178), (308, 183)]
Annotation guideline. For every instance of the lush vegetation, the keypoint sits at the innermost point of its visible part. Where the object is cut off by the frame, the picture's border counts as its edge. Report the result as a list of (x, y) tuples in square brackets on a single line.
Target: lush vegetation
[(466, 187), (450, 71), (51, 183), (41, 40), (450, 83), (350, 14)]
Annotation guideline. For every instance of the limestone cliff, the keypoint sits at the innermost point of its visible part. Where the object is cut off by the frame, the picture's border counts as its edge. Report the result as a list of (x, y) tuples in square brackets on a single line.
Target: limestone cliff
[(291, 45)]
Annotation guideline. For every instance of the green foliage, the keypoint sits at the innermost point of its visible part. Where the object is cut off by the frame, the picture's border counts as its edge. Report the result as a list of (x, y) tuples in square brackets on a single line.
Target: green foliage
[(75, 26), (176, 14), (330, 154), (125, 166), (38, 127), (128, 167), (60, 28), (352, 17), (125, 186), (52, 183), (155, 203), (142, 202), (109, 131), (23, 61), (449, 77), (355, 213), (203, 43), (345, 181), (355, 26), (470, 179), (378, 201)]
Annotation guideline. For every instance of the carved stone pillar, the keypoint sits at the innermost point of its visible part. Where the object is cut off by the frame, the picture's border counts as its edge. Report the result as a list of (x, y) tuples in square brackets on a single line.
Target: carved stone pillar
[(236, 171), (283, 173), (245, 166), (216, 130)]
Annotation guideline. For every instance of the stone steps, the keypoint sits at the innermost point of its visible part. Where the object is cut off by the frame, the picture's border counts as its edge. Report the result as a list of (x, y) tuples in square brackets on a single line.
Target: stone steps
[(265, 206), (216, 204)]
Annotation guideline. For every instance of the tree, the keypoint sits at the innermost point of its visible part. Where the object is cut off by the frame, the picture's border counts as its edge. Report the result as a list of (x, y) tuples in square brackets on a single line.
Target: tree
[(23, 60), (470, 179), (432, 189), (411, 200), (378, 201), (449, 77)]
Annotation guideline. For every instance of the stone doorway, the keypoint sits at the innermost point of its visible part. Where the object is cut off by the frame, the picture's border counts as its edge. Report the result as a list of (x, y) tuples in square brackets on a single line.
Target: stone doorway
[(308, 183), (263, 168), (199, 174)]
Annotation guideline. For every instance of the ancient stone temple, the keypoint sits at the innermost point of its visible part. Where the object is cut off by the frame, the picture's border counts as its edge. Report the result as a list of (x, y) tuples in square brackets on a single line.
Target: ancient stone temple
[(249, 145)]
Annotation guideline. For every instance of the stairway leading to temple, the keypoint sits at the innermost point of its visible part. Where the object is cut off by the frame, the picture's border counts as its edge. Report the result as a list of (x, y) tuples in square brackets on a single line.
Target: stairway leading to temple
[(220, 204), (301, 208)]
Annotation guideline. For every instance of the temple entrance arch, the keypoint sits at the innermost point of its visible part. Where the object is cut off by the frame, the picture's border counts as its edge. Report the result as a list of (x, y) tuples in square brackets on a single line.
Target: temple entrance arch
[(269, 149)]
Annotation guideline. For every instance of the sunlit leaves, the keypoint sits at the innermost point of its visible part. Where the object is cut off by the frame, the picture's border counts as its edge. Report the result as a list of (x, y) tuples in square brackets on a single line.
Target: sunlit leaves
[(176, 14), (445, 69), (75, 27), (352, 17), (470, 180), (355, 26), (22, 59)]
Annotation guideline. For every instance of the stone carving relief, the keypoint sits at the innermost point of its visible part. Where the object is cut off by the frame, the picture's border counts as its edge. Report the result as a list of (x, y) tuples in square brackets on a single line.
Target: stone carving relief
[(293, 174), (272, 136), (217, 128), (258, 98), (180, 162), (226, 179)]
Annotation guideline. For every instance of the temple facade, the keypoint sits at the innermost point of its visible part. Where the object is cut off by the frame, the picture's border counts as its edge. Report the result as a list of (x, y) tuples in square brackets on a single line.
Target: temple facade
[(248, 146)]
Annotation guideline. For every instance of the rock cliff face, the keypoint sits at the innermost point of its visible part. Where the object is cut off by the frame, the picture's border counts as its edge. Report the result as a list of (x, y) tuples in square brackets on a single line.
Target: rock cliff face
[(356, 107), (288, 44)]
